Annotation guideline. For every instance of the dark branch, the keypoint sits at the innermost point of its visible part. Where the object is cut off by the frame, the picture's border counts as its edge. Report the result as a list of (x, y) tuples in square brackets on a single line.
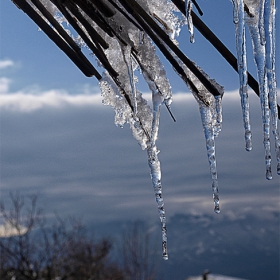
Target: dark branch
[(75, 55)]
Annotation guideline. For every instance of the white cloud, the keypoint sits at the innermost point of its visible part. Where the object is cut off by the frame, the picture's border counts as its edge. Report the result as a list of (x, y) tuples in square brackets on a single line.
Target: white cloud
[(7, 230), (6, 63), (30, 100), (27, 102)]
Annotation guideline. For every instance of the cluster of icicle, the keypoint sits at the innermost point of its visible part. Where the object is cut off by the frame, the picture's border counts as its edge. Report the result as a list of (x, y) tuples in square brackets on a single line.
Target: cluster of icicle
[(259, 15), (143, 120), (132, 108), (135, 51)]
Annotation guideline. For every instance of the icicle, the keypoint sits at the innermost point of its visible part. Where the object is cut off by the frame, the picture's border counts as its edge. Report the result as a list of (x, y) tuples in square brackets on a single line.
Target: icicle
[(210, 108), (154, 165), (269, 25), (207, 121), (235, 11), (126, 50), (144, 122), (242, 68), (261, 22), (112, 97), (153, 160), (217, 126), (259, 57), (189, 19)]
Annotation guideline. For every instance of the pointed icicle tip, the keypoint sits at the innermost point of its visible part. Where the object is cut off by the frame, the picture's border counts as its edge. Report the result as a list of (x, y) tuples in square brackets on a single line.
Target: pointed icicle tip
[(164, 251), (217, 209)]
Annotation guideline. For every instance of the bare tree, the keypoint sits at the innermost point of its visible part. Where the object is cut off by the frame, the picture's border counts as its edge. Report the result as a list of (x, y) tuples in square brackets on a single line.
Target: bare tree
[(137, 254), (31, 250), (18, 245)]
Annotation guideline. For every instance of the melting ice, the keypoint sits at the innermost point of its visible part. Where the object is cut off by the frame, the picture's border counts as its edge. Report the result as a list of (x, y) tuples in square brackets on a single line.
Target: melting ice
[(242, 69), (131, 49), (259, 15)]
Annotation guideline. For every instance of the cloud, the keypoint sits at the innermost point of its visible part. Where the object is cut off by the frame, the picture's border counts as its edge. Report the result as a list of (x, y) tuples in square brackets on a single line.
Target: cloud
[(6, 63), (30, 100), (7, 230), (76, 156), (26, 102)]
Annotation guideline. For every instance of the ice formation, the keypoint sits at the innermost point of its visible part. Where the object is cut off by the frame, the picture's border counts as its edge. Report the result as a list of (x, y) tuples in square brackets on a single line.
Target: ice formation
[(189, 19), (123, 35), (210, 108), (242, 69), (259, 15)]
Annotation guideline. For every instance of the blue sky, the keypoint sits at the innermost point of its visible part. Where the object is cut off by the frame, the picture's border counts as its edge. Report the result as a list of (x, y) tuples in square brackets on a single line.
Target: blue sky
[(59, 140)]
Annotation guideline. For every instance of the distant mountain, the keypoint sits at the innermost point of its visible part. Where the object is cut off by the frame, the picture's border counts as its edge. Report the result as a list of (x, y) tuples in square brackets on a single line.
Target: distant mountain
[(245, 246)]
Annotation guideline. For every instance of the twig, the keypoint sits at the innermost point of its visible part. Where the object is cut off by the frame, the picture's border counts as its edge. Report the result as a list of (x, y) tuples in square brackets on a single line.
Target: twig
[(139, 13), (103, 8), (95, 49), (76, 56)]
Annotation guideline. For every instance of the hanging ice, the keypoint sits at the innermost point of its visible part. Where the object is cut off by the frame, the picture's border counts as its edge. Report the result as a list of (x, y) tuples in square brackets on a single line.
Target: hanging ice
[(117, 32), (143, 121), (211, 116), (154, 165), (123, 113), (253, 21), (260, 18), (242, 68), (269, 29), (207, 122), (189, 5)]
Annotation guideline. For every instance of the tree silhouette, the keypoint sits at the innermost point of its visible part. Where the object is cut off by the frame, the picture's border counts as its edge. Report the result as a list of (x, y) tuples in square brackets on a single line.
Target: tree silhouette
[(29, 249), (137, 253)]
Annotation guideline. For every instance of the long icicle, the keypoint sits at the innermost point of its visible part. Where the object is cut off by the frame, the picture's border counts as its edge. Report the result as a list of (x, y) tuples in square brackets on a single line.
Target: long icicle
[(211, 117), (154, 165), (242, 69), (207, 122), (259, 57), (269, 26)]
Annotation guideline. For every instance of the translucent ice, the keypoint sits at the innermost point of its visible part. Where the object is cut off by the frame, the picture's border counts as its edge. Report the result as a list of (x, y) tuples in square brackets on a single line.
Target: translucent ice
[(154, 165), (242, 68), (254, 18), (269, 30), (210, 108), (189, 5)]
